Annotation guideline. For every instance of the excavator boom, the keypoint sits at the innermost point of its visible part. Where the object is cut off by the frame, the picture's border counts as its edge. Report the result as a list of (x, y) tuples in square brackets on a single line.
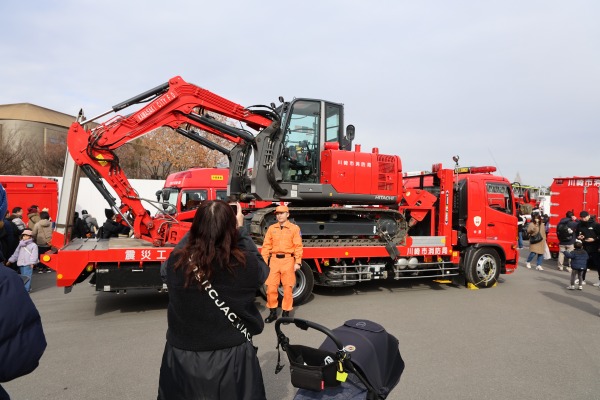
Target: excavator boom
[(176, 104)]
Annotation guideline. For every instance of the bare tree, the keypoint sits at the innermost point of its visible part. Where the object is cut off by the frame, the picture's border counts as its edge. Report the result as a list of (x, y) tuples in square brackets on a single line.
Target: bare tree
[(13, 155), (43, 160), (166, 151), (152, 156)]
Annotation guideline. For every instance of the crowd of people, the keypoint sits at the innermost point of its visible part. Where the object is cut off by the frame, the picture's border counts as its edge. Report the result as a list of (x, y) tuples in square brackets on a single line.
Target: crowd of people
[(217, 267), (21, 243), (579, 245)]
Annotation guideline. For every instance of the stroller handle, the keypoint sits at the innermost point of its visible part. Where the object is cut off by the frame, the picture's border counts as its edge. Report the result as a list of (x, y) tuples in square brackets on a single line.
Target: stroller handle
[(304, 325)]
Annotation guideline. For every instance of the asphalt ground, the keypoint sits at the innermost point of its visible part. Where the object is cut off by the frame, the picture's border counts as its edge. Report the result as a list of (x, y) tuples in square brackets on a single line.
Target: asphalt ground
[(526, 338)]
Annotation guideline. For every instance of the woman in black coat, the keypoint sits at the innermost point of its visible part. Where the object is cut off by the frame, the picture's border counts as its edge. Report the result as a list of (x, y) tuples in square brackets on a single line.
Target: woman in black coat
[(206, 356), (22, 339)]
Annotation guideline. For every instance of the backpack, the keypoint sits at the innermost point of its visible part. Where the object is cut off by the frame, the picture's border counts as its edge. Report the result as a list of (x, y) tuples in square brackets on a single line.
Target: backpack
[(563, 234)]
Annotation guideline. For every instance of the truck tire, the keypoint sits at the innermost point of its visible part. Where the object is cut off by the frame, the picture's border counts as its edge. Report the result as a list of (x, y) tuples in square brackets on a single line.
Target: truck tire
[(484, 268), (305, 281)]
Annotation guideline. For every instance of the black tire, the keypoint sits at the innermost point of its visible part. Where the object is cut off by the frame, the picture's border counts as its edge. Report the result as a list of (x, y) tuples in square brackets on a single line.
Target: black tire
[(305, 281), (484, 268)]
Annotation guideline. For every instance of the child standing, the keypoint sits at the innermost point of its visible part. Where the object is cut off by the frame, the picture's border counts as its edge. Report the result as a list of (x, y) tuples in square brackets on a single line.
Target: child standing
[(26, 256), (579, 259)]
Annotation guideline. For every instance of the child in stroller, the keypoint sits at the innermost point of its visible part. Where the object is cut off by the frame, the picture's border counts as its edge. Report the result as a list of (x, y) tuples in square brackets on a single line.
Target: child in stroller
[(358, 360)]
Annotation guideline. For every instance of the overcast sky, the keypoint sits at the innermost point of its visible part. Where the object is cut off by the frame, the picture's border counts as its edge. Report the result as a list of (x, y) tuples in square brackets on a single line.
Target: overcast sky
[(514, 84)]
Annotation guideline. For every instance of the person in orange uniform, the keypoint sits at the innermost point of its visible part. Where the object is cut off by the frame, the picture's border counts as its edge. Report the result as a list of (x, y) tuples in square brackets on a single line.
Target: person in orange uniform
[(282, 251)]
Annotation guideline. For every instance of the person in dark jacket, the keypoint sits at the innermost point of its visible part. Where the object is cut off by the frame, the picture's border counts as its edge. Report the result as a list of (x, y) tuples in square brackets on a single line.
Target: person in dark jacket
[(567, 243), (9, 240), (3, 202), (520, 227), (206, 356), (588, 232), (579, 258), (111, 228), (17, 218), (22, 339), (79, 228)]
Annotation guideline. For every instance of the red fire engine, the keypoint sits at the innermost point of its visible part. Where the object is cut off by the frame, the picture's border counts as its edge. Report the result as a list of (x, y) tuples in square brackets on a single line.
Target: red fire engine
[(184, 191), (25, 191), (576, 194), (361, 217)]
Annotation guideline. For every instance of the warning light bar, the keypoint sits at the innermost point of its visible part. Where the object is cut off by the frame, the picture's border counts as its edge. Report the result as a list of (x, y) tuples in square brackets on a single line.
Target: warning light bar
[(474, 170)]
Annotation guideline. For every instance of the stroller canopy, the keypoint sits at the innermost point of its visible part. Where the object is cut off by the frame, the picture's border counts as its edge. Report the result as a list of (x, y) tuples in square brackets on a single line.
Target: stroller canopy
[(372, 350)]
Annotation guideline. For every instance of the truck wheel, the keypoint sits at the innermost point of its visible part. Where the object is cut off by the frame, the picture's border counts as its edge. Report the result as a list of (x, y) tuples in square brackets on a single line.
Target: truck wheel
[(484, 269), (305, 281)]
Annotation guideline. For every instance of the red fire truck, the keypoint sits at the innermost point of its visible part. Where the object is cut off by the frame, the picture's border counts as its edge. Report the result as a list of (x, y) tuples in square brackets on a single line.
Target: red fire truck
[(576, 194), (361, 217), (184, 191), (25, 191)]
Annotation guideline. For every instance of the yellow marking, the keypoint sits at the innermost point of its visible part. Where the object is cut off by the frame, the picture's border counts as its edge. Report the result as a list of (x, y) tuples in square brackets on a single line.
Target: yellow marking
[(216, 177), (101, 157)]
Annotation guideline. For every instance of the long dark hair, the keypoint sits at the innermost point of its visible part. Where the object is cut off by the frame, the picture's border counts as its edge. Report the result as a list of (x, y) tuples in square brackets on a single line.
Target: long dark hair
[(212, 242)]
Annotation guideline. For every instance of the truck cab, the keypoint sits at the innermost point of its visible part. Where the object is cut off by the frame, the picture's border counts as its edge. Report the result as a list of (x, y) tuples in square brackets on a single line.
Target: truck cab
[(484, 216), (186, 190)]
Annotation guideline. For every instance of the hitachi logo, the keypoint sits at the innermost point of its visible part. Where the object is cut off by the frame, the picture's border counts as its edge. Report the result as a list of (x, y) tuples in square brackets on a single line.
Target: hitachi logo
[(385, 197)]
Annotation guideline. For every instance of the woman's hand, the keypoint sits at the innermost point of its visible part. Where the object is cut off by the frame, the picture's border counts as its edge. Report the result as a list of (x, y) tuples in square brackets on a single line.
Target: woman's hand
[(239, 217)]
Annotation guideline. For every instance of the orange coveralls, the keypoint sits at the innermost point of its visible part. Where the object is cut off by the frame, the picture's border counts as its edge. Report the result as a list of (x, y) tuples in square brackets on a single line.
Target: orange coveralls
[(281, 249)]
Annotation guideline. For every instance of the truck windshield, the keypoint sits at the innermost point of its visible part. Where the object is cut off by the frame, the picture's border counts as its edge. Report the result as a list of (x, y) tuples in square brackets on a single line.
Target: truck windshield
[(168, 196), (191, 199), (499, 197), (222, 195)]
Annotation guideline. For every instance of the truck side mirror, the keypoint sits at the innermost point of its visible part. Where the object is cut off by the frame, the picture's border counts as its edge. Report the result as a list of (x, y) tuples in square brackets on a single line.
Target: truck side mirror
[(158, 194)]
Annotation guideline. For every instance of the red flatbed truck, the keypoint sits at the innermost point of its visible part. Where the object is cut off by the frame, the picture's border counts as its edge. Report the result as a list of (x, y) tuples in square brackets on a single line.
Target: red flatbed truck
[(462, 224), (361, 217)]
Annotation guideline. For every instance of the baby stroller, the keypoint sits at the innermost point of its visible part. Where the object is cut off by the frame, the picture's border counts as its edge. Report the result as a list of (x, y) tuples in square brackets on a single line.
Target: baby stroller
[(357, 361)]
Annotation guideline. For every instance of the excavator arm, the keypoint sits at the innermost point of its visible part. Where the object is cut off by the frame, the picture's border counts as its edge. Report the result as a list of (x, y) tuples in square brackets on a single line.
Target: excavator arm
[(178, 105)]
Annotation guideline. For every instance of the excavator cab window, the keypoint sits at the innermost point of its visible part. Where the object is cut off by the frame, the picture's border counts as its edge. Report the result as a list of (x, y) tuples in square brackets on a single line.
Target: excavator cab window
[(301, 143), (333, 123)]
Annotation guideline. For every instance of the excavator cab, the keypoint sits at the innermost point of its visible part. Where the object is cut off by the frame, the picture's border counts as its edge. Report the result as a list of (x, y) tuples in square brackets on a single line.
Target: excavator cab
[(308, 126), (291, 154)]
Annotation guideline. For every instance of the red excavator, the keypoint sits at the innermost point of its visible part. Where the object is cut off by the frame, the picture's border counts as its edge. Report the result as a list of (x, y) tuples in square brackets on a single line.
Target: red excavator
[(301, 156)]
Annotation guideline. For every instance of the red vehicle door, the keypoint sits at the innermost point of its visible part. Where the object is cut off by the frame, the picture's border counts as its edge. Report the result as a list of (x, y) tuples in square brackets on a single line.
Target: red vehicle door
[(500, 222)]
